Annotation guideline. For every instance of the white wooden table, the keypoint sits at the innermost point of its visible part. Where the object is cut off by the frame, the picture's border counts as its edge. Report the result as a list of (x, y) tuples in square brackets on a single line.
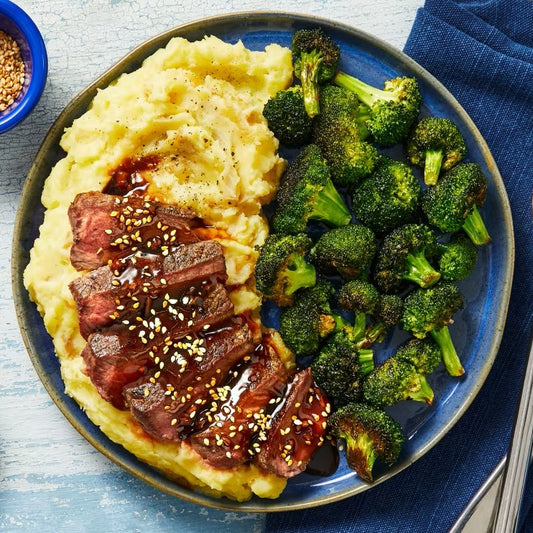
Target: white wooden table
[(51, 479)]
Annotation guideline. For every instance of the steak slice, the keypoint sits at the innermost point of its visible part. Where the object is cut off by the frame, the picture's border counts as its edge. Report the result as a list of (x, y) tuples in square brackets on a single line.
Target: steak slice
[(242, 413), (169, 402), (114, 292), (297, 428), (122, 354), (105, 226), (111, 367)]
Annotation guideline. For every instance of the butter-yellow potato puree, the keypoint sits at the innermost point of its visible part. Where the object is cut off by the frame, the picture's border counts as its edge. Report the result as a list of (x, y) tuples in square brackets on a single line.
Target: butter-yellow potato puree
[(198, 107)]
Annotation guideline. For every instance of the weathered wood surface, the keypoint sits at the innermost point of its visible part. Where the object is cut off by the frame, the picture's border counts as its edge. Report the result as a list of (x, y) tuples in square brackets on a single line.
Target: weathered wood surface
[(51, 479)]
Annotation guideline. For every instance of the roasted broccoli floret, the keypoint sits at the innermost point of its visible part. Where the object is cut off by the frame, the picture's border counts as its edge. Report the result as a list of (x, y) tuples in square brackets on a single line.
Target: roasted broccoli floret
[(388, 198), (315, 58), (369, 433), (348, 250), (424, 354), (306, 192), (387, 314), (362, 298), (340, 133), (309, 320), (281, 268), (402, 257), (393, 110), (453, 202), (340, 366), (457, 258), (435, 143), (430, 311), (287, 118), (395, 380)]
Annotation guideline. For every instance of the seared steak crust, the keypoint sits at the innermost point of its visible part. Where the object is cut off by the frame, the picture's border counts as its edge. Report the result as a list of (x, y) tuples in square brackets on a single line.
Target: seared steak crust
[(163, 340), (296, 429), (170, 403), (105, 226), (122, 353), (114, 292), (242, 410)]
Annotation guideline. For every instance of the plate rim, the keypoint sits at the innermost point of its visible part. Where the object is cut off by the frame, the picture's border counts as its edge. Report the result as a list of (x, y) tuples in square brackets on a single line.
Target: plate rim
[(50, 142)]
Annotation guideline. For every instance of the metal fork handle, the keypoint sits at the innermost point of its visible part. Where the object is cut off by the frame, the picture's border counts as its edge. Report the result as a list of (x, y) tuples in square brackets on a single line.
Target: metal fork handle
[(507, 509)]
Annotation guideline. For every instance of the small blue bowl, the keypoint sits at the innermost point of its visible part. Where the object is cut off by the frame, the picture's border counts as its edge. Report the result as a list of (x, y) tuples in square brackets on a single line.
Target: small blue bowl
[(16, 23)]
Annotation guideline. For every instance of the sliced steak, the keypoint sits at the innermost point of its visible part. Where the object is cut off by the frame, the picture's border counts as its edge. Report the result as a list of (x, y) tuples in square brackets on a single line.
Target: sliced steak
[(296, 429), (121, 354), (242, 412), (106, 226), (114, 292), (110, 367), (169, 402)]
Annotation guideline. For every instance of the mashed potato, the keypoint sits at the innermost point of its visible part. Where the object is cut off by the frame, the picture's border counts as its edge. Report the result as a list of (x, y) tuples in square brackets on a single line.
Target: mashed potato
[(198, 106)]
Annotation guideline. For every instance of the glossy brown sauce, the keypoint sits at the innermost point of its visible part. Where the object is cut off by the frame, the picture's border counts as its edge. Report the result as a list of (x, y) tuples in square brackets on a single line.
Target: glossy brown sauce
[(127, 180), (325, 460)]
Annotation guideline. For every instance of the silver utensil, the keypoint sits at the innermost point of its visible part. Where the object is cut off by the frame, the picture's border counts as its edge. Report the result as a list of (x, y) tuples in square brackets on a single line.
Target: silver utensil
[(508, 503)]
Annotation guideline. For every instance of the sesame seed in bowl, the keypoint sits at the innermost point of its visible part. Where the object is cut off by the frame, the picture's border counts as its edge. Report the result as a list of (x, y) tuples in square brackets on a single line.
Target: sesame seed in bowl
[(23, 65)]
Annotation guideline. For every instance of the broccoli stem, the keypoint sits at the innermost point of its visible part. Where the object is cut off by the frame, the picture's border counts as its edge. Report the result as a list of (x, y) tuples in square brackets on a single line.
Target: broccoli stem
[(363, 116), (330, 208), (340, 321), (420, 271), (376, 333), (366, 361), (360, 455), (432, 166), (299, 274), (425, 394), (449, 355), (359, 329), (367, 94), (475, 228), (309, 78)]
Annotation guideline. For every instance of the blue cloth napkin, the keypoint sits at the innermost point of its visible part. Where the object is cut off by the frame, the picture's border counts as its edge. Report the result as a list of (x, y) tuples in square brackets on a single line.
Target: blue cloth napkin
[(482, 51)]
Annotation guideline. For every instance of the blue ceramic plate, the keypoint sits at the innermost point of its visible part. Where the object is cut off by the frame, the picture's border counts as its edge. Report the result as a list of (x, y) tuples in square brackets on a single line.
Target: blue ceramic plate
[(477, 330)]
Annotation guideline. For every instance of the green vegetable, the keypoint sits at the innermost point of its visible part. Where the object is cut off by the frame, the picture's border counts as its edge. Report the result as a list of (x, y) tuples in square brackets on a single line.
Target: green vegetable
[(393, 110), (362, 298), (370, 433), (306, 193), (287, 118), (453, 202), (348, 250), (387, 314), (424, 354), (315, 59), (430, 311), (435, 143), (395, 380), (388, 198), (281, 268), (340, 366), (457, 258), (340, 132), (309, 320), (402, 257)]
